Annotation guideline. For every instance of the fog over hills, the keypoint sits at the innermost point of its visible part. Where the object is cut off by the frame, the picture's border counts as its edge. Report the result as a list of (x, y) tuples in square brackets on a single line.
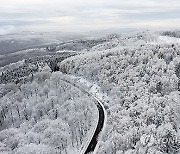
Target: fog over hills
[(27, 40)]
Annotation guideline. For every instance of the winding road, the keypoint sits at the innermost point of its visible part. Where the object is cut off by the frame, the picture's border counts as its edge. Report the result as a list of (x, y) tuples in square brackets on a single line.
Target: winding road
[(93, 142)]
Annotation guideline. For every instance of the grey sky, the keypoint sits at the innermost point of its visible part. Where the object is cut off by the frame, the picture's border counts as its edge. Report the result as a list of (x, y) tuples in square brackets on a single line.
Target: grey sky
[(85, 15)]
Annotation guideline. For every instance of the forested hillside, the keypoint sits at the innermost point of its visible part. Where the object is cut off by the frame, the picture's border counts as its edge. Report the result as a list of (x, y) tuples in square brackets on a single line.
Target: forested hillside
[(45, 116), (138, 80), (143, 83)]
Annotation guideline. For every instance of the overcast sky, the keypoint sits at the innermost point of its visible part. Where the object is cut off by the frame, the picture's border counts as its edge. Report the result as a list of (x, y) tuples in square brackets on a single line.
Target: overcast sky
[(86, 15)]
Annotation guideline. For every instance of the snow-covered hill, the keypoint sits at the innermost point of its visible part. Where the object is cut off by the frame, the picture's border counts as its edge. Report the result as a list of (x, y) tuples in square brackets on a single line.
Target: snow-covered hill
[(163, 40), (142, 79), (168, 40), (44, 116), (138, 80)]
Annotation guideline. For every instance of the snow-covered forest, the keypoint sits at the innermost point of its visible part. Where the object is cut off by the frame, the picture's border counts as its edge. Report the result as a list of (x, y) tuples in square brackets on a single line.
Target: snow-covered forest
[(138, 73), (46, 115), (142, 80)]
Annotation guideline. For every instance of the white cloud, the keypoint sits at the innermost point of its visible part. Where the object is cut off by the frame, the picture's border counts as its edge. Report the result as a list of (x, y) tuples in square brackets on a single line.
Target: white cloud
[(7, 29), (87, 14)]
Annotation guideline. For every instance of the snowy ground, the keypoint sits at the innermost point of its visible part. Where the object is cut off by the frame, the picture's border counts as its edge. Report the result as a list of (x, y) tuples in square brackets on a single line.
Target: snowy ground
[(164, 40)]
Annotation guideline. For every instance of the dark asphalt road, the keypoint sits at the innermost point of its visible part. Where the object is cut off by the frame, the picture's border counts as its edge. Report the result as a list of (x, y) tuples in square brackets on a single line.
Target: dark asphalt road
[(99, 127), (92, 145)]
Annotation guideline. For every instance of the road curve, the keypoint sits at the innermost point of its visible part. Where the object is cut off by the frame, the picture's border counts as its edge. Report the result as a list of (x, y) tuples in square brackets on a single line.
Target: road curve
[(101, 121), (92, 145)]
